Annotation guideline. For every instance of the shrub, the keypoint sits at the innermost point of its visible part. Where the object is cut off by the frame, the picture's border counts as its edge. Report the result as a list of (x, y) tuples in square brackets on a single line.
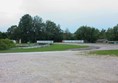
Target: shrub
[(6, 44)]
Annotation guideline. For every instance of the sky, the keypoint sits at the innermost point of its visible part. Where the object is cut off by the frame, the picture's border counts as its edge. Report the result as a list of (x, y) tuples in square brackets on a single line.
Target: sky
[(71, 14)]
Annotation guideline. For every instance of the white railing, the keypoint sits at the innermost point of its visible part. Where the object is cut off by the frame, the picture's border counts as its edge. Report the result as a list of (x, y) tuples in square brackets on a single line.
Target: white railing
[(45, 42), (73, 41)]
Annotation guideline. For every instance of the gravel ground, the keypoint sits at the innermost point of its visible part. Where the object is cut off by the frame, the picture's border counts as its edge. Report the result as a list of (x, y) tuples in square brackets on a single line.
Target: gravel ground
[(58, 67)]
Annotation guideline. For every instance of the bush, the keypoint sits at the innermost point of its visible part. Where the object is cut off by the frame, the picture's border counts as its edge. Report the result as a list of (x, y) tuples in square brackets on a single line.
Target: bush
[(6, 44)]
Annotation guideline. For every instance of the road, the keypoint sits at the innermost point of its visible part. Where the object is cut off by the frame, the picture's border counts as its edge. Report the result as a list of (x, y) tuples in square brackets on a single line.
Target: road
[(58, 67)]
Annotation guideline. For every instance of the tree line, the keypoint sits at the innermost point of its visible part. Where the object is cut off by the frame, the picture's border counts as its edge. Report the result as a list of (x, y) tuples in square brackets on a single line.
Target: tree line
[(31, 29)]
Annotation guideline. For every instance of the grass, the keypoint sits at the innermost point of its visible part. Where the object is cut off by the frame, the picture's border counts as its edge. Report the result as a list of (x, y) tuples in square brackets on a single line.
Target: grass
[(105, 52), (54, 47)]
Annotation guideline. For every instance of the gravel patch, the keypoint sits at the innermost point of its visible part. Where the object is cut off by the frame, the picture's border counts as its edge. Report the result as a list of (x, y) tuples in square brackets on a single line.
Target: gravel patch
[(57, 67), (97, 47)]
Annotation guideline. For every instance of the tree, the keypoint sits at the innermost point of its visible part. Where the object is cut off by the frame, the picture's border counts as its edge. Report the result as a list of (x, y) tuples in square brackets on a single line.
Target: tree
[(32, 29), (26, 29), (58, 34), (94, 35), (88, 34), (102, 34), (14, 33), (53, 31), (11, 32), (38, 26), (109, 34), (67, 35), (3, 35), (115, 33)]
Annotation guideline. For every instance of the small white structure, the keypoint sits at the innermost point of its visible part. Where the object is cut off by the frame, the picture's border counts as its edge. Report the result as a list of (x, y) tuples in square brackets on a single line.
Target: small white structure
[(19, 41), (73, 41), (45, 42), (14, 41)]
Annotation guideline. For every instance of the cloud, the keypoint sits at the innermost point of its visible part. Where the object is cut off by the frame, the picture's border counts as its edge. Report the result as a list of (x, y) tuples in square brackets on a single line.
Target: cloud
[(67, 13), (68, 6), (10, 11)]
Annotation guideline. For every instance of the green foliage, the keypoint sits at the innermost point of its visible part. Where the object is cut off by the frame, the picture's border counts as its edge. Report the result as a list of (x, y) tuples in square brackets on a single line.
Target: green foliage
[(112, 33), (102, 34), (109, 34), (25, 27), (13, 32), (3, 46), (67, 35), (31, 29), (88, 34), (53, 31), (6, 44), (38, 28), (115, 33), (3, 35)]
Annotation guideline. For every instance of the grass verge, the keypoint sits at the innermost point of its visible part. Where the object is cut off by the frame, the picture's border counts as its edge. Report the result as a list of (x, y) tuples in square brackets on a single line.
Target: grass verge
[(54, 47), (105, 52)]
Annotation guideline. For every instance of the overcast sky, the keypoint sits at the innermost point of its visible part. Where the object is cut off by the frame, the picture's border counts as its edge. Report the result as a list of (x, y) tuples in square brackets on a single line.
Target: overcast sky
[(69, 14)]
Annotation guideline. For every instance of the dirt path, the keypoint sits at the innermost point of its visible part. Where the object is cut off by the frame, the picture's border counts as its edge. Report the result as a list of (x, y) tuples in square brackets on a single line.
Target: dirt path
[(57, 67), (97, 47)]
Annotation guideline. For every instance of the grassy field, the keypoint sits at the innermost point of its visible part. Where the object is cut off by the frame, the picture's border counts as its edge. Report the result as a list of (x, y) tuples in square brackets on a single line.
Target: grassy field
[(54, 47), (105, 52)]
